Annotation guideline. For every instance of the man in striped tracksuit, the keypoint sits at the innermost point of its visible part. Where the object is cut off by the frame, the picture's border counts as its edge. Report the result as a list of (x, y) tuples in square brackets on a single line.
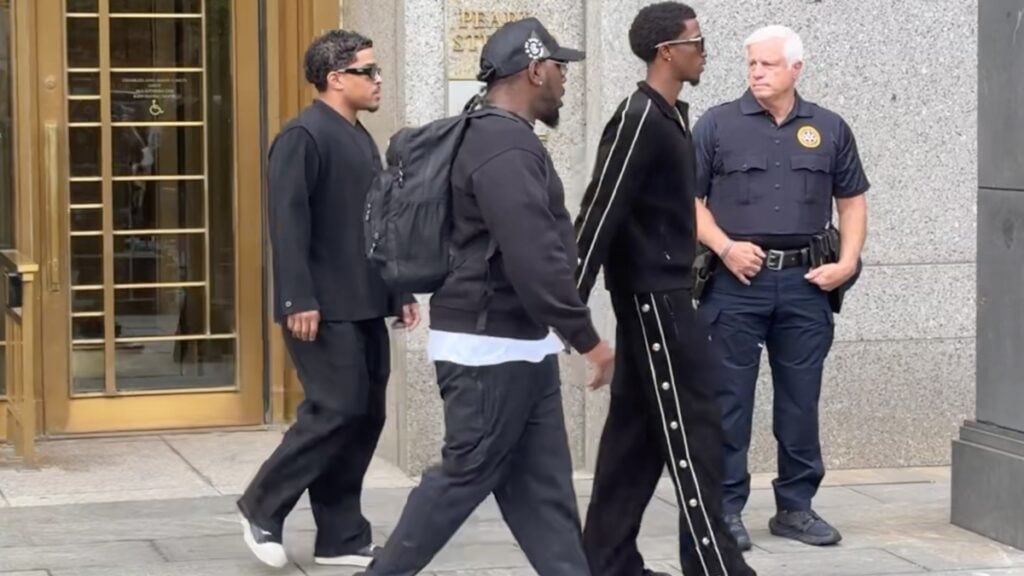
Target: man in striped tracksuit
[(638, 222)]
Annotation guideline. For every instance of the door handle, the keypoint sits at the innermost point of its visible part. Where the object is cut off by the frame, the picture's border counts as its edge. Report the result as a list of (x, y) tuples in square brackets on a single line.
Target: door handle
[(51, 152)]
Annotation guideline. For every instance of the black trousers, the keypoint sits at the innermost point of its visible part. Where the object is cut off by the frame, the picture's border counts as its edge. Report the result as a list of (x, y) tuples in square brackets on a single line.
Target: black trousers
[(344, 375), (504, 434), (786, 314), (663, 412)]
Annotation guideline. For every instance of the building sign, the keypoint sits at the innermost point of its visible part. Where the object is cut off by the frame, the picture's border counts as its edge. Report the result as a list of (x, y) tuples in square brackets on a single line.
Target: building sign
[(468, 30)]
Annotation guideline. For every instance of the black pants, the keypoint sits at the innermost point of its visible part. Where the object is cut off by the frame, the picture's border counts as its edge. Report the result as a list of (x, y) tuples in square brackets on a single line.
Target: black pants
[(791, 317), (663, 412), (344, 375), (504, 434)]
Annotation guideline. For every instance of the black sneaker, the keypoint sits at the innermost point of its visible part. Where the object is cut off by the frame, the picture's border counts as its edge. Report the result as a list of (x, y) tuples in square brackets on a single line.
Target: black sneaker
[(263, 543), (804, 526), (359, 559), (735, 524)]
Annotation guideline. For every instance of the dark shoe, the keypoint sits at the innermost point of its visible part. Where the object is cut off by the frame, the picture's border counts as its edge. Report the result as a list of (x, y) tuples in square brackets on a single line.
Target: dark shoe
[(804, 526), (263, 543), (359, 559), (735, 524), (649, 572)]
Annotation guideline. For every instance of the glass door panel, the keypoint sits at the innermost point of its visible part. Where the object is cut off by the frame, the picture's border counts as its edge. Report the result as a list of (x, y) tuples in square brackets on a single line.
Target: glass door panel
[(152, 216), (143, 310)]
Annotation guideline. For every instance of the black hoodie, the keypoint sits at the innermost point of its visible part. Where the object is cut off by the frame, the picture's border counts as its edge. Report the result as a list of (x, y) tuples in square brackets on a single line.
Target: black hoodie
[(515, 255)]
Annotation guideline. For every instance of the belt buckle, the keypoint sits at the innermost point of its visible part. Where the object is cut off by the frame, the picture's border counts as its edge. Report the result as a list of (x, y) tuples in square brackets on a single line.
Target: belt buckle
[(775, 260)]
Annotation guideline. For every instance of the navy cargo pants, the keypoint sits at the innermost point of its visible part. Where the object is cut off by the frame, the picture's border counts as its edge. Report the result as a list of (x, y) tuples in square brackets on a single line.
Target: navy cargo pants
[(786, 314)]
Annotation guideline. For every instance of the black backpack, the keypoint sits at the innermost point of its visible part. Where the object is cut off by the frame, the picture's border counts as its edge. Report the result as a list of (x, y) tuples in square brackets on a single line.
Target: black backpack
[(407, 223)]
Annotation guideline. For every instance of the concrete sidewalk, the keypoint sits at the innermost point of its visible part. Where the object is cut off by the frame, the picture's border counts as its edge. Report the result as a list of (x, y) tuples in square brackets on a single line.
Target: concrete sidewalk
[(164, 506)]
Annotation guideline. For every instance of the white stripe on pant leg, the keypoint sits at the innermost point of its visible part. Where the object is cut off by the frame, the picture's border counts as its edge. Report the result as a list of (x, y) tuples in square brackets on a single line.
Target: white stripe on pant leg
[(682, 429), (668, 440)]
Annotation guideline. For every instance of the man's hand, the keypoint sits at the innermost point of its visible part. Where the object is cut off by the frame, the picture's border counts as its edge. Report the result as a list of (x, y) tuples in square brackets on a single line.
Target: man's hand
[(743, 259), (304, 325), (602, 358), (828, 277), (410, 317)]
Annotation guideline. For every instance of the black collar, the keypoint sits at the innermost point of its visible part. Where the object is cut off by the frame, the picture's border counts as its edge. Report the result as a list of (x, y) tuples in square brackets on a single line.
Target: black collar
[(510, 113), (681, 109), (326, 109), (357, 132), (750, 106)]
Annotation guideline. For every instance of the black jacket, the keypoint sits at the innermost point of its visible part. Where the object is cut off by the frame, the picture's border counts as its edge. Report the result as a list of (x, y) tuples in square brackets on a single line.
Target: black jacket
[(320, 168), (513, 241), (638, 218)]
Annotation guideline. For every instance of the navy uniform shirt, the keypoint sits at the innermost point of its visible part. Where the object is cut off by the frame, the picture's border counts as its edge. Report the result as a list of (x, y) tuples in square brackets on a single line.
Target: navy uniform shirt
[(774, 184)]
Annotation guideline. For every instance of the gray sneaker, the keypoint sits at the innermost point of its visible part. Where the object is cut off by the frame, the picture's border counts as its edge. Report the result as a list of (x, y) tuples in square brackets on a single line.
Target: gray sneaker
[(735, 524), (804, 526)]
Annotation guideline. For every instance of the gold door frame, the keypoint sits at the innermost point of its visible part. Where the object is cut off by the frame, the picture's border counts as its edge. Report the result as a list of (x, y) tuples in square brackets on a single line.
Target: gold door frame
[(291, 25), (111, 410), (23, 362)]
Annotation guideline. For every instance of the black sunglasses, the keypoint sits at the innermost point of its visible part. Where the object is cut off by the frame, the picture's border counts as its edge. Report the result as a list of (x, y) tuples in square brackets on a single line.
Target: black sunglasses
[(699, 41), (372, 71)]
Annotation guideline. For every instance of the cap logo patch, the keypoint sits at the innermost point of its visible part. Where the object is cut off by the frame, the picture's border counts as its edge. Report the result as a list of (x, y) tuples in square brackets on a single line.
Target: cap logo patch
[(535, 48)]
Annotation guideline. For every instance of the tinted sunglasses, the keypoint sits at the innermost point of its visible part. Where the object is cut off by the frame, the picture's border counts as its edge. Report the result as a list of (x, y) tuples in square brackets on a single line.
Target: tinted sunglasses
[(699, 41), (372, 71)]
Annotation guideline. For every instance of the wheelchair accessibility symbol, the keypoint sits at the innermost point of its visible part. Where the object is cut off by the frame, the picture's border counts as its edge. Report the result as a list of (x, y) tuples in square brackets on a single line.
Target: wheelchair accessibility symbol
[(155, 109)]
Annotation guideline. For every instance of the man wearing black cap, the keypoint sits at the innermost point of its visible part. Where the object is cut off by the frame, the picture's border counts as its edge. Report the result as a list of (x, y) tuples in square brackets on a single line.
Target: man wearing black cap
[(638, 222), (494, 320)]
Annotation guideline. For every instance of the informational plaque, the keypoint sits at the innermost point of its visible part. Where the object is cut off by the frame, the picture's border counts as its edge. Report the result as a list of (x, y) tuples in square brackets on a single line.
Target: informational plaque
[(156, 96)]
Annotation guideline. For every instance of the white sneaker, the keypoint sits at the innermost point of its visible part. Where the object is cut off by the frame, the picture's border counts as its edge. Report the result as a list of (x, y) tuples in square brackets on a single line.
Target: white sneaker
[(360, 559), (265, 545)]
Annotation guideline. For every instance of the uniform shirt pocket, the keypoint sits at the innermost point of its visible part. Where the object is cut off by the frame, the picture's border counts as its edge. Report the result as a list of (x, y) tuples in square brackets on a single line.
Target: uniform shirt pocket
[(814, 177), (739, 176)]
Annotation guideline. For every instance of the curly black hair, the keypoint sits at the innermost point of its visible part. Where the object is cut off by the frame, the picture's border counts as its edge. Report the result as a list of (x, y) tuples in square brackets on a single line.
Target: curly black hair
[(655, 24), (333, 50)]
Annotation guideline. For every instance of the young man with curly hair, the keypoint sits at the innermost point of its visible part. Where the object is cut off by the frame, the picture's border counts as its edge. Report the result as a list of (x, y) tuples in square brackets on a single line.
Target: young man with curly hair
[(333, 307)]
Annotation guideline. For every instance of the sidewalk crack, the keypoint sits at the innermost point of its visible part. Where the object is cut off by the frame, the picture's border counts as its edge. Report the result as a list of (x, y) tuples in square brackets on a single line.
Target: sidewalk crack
[(158, 551), (187, 462), (907, 560)]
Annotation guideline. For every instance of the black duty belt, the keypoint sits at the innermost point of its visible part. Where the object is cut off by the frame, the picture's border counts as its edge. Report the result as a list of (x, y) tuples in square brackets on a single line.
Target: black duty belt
[(780, 259)]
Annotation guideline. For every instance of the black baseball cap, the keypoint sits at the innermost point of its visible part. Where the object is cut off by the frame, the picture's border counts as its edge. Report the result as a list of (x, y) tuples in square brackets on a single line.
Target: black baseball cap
[(513, 46)]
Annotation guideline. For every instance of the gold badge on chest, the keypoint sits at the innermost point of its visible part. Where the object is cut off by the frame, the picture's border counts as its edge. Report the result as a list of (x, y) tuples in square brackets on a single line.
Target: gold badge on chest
[(808, 137)]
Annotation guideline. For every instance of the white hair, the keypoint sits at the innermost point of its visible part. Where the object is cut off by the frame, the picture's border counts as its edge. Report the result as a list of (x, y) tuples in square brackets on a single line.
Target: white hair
[(793, 49)]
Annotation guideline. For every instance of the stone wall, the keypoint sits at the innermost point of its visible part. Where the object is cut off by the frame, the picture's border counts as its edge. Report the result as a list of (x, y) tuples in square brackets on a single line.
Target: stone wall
[(903, 74)]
